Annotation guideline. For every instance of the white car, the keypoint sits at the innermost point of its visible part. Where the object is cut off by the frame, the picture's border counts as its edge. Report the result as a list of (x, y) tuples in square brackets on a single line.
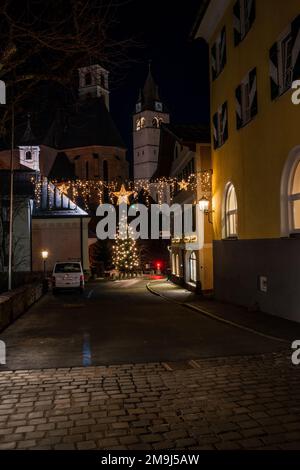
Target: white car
[(67, 275)]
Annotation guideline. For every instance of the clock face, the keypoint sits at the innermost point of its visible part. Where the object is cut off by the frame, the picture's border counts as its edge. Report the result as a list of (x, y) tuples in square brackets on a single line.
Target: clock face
[(158, 106), (138, 107)]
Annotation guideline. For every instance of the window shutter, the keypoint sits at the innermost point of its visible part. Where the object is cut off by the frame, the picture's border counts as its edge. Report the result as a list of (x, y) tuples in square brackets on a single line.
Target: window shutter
[(238, 107), (251, 9), (223, 48), (224, 123), (213, 58), (253, 92), (274, 78), (295, 32), (215, 130), (237, 23)]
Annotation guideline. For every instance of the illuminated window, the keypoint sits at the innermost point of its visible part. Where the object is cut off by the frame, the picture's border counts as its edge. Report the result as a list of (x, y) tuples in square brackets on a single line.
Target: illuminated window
[(193, 267), (143, 122), (294, 200), (177, 265), (231, 212), (155, 122), (173, 264), (138, 125)]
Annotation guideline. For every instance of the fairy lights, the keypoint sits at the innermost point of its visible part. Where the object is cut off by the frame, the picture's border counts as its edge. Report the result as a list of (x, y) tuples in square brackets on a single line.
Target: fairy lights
[(95, 192)]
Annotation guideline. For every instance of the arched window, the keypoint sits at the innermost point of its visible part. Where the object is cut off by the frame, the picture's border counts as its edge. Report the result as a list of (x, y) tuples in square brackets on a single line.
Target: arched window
[(138, 125), (294, 199), (177, 265), (231, 212), (193, 267), (155, 122), (28, 155), (143, 122)]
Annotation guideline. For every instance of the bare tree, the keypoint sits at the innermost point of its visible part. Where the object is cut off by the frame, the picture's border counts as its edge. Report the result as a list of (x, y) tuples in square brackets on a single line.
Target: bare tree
[(47, 40)]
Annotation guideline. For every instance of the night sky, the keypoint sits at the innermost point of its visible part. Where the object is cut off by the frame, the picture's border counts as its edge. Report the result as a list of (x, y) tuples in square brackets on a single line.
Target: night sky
[(179, 64)]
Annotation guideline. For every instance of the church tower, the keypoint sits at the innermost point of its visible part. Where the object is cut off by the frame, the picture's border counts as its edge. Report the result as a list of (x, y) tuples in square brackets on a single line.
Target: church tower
[(93, 82), (149, 114)]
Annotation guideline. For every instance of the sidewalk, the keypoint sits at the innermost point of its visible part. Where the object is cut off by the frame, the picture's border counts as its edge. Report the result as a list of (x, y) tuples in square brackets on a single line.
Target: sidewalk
[(262, 323)]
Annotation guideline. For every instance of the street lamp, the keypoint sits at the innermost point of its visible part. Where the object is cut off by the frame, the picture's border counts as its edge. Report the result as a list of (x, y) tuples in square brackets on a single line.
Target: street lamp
[(204, 207), (45, 254)]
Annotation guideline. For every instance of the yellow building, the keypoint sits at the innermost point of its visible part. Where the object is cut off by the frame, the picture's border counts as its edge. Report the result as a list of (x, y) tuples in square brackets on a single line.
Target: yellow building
[(254, 60)]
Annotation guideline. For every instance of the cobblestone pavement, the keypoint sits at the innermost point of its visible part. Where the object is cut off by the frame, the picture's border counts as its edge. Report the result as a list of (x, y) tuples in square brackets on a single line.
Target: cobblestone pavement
[(250, 402)]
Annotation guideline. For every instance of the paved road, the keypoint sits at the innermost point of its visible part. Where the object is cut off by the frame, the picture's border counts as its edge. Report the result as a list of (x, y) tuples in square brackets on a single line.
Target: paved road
[(119, 322)]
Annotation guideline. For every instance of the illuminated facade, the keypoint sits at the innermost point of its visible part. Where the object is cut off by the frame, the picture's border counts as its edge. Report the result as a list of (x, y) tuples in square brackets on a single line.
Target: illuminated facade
[(254, 58)]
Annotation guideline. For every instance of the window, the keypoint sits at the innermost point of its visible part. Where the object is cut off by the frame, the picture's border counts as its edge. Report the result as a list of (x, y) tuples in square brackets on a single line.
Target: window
[(177, 265), (243, 18), (155, 122), (246, 99), (294, 200), (138, 107), (284, 59), (173, 264), (231, 212), (28, 155), (138, 125), (218, 54), (193, 267), (220, 126)]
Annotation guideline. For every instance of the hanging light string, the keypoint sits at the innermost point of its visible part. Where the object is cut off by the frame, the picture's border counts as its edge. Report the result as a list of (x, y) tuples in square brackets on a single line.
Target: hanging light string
[(85, 192)]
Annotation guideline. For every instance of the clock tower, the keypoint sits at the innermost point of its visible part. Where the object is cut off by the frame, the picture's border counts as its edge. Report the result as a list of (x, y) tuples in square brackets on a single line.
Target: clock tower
[(149, 114)]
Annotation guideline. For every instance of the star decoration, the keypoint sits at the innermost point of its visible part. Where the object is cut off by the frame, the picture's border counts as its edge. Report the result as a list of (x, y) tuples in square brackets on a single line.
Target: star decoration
[(63, 188), (183, 185), (123, 195)]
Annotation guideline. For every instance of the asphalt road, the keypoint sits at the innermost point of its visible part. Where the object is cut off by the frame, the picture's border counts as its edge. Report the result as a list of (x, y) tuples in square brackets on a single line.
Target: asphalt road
[(119, 322)]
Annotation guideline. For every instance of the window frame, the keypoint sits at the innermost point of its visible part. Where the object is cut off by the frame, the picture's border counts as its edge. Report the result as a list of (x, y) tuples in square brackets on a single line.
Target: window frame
[(193, 267), (230, 215)]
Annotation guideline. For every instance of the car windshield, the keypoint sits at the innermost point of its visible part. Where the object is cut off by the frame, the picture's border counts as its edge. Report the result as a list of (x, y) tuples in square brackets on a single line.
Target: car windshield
[(67, 268)]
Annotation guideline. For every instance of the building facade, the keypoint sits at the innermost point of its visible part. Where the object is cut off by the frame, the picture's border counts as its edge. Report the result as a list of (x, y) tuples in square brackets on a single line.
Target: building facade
[(254, 59), (185, 157), (150, 113)]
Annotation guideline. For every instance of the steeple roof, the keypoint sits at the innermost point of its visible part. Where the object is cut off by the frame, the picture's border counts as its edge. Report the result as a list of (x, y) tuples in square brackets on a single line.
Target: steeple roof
[(28, 137), (149, 95)]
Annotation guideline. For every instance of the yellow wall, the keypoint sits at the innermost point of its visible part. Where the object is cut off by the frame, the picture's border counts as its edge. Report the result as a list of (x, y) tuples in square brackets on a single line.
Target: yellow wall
[(254, 156)]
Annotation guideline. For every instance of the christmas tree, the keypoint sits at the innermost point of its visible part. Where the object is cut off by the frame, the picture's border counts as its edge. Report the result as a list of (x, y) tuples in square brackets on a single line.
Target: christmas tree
[(125, 256)]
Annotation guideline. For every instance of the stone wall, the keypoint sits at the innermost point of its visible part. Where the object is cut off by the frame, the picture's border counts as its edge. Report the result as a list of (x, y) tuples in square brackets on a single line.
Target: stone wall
[(17, 301)]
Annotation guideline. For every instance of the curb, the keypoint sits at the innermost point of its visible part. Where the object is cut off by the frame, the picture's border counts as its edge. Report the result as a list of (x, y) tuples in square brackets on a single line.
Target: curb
[(216, 317)]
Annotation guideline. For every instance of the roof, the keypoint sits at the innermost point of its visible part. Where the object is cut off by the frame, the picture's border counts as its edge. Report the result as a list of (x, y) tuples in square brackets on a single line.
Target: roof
[(89, 123), (77, 123), (186, 134), (190, 133), (199, 17), (149, 94), (62, 168), (51, 202)]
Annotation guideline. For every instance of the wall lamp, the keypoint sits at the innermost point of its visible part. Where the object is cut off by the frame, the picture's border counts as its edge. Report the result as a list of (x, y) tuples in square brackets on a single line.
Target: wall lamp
[(204, 207)]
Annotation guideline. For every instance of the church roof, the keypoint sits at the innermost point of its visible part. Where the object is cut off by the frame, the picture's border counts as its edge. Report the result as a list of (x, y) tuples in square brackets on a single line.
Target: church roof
[(90, 123), (81, 123)]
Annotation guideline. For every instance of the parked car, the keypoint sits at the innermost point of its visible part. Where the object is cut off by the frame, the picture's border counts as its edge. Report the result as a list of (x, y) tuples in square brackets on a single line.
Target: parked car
[(67, 275)]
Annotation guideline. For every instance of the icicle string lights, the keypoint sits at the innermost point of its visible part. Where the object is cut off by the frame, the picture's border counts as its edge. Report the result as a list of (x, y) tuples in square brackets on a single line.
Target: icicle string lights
[(87, 192)]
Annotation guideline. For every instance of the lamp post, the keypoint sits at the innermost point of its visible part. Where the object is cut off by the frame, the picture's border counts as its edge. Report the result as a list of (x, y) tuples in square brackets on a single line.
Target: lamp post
[(45, 254)]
